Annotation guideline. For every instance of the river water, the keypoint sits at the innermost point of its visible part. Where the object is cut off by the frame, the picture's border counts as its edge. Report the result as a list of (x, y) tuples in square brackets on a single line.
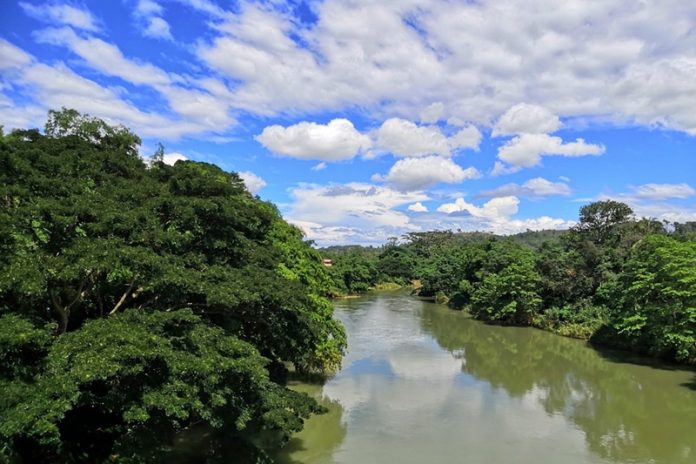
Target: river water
[(424, 384)]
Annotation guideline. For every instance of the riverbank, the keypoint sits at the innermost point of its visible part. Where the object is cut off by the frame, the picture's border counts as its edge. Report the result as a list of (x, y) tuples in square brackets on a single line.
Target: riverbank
[(380, 286)]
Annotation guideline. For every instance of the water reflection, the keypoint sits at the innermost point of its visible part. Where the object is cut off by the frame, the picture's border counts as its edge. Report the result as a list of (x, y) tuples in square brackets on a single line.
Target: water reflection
[(422, 383), (327, 429), (628, 412)]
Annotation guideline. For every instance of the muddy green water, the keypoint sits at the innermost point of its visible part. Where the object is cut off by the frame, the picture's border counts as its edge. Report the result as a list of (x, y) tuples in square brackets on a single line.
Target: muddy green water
[(424, 384)]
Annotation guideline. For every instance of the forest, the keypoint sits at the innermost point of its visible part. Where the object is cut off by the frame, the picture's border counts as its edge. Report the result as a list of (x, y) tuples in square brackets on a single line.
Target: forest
[(140, 300), (613, 279)]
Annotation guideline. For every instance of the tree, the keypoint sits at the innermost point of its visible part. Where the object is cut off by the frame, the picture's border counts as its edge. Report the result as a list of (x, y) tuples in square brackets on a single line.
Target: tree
[(95, 246), (599, 220), (68, 122), (658, 312), (120, 389), (509, 293)]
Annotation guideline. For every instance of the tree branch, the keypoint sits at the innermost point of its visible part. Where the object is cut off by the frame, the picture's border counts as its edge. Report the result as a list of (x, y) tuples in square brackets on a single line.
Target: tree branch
[(124, 297)]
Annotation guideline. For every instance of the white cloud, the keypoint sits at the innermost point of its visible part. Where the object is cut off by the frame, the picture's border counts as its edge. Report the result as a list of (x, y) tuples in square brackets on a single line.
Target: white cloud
[(337, 140), (493, 216), (418, 173), (12, 57), (477, 59), (148, 14), (496, 208), (526, 150), (532, 124), (418, 207), (205, 6), (62, 15), (468, 137), (172, 158), (515, 226), (105, 57), (157, 28), (432, 113), (367, 214), (17, 116), (319, 167), (654, 208), (534, 188), (253, 182), (405, 138), (526, 119), (480, 58), (148, 8), (200, 111), (56, 86), (663, 191), (501, 168), (352, 206)]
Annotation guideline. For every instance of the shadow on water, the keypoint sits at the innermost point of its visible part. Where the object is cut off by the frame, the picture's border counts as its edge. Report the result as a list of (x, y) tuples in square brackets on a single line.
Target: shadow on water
[(690, 384), (326, 429), (630, 409)]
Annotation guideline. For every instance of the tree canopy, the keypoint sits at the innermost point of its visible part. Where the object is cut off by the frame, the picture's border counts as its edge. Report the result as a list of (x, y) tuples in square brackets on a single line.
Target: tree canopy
[(137, 299)]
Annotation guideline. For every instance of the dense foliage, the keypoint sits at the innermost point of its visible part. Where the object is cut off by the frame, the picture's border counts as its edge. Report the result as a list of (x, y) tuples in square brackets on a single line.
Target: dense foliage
[(612, 278), (137, 300)]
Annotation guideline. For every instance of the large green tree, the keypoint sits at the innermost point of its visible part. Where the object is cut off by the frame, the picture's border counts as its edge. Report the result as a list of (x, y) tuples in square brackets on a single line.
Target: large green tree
[(658, 312), (96, 244)]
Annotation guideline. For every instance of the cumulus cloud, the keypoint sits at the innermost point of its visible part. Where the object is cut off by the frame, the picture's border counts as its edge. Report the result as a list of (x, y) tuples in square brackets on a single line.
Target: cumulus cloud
[(432, 113), (533, 188), (405, 138), (172, 158), (201, 110), (370, 214), (158, 28), (148, 14), (663, 191), (319, 167), (524, 118), (357, 212), (253, 182), (198, 106), (480, 58), (495, 215), (56, 85), (419, 173), (418, 207), (62, 15), (496, 208), (468, 137), (337, 140), (532, 124), (526, 150)]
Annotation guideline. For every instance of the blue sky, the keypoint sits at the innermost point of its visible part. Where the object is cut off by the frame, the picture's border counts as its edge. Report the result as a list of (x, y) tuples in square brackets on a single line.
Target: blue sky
[(363, 120)]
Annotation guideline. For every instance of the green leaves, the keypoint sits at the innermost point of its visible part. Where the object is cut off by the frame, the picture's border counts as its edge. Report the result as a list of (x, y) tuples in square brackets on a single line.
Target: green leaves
[(156, 372), (659, 303), (510, 294), (98, 252)]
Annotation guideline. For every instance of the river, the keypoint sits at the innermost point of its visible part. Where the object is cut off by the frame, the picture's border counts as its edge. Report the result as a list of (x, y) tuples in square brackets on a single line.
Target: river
[(424, 384)]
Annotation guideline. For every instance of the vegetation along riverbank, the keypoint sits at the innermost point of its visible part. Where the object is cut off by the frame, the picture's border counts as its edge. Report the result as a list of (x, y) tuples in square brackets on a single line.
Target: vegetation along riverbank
[(614, 279)]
